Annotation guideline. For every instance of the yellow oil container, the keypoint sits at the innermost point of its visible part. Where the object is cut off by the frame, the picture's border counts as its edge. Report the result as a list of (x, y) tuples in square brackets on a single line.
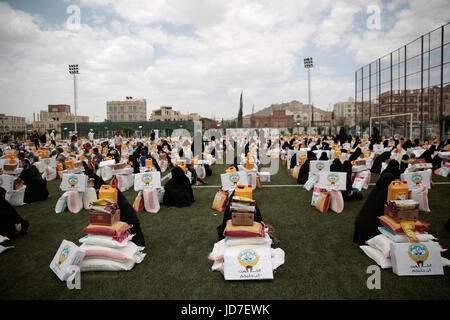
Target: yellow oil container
[(70, 165), (108, 192), (398, 190), (230, 169), (243, 191), (148, 163)]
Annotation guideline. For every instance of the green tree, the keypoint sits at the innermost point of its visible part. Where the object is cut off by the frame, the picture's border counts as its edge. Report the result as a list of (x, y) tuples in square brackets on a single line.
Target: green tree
[(239, 121)]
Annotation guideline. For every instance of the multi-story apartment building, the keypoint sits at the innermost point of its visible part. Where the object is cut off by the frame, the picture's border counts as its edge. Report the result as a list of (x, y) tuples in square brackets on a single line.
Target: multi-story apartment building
[(167, 113), (129, 110), (54, 116), (10, 124)]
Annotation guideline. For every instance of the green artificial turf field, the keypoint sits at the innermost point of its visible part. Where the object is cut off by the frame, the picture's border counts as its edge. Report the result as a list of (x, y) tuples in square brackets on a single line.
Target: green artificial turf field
[(321, 260)]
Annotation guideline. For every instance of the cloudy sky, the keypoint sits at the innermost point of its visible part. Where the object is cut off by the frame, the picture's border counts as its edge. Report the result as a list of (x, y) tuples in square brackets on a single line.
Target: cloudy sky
[(197, 55)]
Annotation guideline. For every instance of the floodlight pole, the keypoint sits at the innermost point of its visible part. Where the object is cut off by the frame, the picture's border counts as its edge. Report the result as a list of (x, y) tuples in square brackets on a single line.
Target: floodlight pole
[(308, 63), (73, 69)]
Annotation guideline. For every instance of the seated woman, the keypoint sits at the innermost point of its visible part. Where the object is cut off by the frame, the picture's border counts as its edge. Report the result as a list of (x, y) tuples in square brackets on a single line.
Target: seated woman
[(376, 166), (349, 194), (178, 190), (195, 180), (11, 224), (366, 222), (304, 169), (36, 189), (393, 167)]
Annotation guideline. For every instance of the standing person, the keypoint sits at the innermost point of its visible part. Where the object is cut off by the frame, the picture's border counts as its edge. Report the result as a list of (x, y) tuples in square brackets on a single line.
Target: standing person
[(35, 137), (91, 136), (152, 135), (52, 137), (118, 143)]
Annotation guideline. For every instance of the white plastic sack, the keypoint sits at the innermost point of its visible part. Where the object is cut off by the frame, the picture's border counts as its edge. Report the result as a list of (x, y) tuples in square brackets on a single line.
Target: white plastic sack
[(61, 204), (420, 194), (75, 201), (311, 182), (105, 241), (151, 202), (444, 171), (50, 173), (201, 172), (361, 180), (124, 181), (88, 196), (106, 173), (15, 197), (337, 201), (377, 256)]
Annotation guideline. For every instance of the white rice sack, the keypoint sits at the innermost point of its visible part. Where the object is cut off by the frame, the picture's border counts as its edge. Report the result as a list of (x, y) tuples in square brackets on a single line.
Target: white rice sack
[(61, 204), (124, 181), (106, 173), (382, 243), (151, 202), (15, 197), (444, 171), (420, 194), (361, 180), (50, 173), (105, 241), (337, 201), (88, 196), (161, 192), (3, 239), (99, 258), (201, 172), (377, 256), (75, 201)]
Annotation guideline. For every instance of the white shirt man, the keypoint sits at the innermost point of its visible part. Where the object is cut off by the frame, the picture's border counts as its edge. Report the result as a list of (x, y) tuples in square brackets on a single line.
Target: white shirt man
[(91, 136)]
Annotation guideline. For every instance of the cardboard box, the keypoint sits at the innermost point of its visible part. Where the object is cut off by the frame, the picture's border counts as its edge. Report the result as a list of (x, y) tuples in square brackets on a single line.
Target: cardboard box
[(242, 218), (402, 215), (416, 259), (67, 256), (10, 167), (104, 219)]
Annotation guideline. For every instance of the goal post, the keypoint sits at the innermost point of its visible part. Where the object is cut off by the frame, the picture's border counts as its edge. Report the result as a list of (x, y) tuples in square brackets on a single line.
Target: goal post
[(393, 116)]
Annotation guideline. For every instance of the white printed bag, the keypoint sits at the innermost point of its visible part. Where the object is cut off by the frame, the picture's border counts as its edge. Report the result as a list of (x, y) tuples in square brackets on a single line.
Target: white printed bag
[(88, 196), (75, 201), (50, 173), (311, 182), (315, 196), (337, 201), (61, 204), (151, 202), (420, 194), (124, 181)]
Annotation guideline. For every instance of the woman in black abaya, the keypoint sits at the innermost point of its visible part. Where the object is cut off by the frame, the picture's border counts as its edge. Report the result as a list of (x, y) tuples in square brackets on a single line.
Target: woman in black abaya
[(376, 166), (11, 224), (355, 155), (178, 190), (304, 169), (393, 167), (366, 223), (36, 189), (349, 194)]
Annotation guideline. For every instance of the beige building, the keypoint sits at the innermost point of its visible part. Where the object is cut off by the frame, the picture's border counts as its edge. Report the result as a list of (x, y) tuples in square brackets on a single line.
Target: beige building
[(126, 111), (12, 123), (319, 115), (54, 116), (344, 112), (166, 113)]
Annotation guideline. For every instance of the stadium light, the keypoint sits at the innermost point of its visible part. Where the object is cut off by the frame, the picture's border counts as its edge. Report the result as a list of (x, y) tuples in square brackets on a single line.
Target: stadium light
[(73, 69), (308, 63)]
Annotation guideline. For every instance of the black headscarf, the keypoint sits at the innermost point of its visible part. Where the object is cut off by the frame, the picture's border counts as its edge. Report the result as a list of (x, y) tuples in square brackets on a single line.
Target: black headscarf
[(36, 189), (376, 166), (404, 163), (178, 190), (355, 155), (323, 156), (427, 156), (336, 166), (393, 167), (366, 222), (304, 169)]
